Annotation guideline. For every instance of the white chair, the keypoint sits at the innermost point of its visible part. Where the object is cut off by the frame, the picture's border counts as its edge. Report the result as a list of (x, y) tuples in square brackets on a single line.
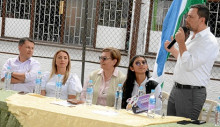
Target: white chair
[(207, 109), (165, 97)]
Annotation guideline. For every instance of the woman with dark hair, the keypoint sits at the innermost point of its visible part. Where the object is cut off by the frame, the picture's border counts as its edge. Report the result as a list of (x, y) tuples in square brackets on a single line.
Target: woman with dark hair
[(138, 75)]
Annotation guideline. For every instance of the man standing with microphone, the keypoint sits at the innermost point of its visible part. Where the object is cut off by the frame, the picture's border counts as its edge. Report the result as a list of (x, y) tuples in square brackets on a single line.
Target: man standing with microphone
[(195, 59)]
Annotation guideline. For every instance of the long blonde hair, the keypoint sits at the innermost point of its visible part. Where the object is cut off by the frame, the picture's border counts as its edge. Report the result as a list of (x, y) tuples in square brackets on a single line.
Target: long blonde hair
[(54, 66)]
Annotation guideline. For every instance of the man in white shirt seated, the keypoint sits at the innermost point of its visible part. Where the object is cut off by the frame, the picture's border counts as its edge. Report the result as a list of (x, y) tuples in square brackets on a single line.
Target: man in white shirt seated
[(24, 68)]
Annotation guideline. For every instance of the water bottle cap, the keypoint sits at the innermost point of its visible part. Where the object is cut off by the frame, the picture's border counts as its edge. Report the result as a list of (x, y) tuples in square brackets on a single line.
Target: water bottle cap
[(141, 88), (9, 68), (90, 81), (152, 91), (219, 98), (119, 85), (39, 72), (59, 75)]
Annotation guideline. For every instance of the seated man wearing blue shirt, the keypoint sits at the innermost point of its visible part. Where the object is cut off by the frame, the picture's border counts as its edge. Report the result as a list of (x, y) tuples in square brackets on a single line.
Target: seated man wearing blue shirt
[(24, 68)]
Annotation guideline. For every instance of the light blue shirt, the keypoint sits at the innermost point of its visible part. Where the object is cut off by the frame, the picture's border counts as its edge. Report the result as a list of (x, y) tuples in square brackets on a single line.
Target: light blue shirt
[(30, 67)]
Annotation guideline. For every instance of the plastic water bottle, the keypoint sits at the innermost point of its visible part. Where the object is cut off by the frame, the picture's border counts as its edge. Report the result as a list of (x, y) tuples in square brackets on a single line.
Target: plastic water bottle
[(217, 113), (152, 104), (58, 87), (7, 81), (118, 97), (89, 93), (140, 91), (37, 89)]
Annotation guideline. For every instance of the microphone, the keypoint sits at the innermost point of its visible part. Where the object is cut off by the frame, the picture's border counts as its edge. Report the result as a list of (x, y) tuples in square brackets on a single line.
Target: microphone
[(186, 31)]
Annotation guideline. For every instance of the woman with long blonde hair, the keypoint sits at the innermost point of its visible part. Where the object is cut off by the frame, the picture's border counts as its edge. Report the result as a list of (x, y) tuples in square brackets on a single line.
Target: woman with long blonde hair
[(71, 84)]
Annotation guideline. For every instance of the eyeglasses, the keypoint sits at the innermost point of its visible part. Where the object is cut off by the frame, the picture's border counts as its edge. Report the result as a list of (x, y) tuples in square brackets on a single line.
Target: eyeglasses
[(138, 63), (104, 58)]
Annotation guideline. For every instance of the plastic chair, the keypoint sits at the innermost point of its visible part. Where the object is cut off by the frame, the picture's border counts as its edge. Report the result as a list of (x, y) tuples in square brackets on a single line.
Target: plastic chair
[(208, 106), (165, 96)]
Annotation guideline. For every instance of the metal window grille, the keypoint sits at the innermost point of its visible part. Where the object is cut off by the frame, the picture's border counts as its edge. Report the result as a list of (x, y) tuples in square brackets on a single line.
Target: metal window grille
[(47, 22), (74, 25), (18, 9), (114, 13)]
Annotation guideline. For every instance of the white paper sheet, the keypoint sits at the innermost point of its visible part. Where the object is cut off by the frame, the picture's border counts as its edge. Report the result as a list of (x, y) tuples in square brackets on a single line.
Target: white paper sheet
[(106, 113), (63, 103)]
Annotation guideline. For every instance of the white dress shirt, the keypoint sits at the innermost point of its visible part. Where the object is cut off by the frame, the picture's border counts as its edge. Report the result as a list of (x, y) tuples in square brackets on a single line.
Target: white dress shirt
[(71, 87), (195, 65), (30, 67), (157, 92)]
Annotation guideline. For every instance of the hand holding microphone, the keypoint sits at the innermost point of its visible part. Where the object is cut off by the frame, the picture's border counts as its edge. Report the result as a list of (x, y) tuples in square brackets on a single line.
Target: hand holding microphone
[(186, 31)]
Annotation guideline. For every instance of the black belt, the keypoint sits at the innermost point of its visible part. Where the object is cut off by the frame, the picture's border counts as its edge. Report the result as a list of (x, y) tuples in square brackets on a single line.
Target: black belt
[(180, 86)]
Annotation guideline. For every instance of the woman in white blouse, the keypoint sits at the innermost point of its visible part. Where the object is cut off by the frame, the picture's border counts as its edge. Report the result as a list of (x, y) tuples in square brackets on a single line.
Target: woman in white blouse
[(71, 84)]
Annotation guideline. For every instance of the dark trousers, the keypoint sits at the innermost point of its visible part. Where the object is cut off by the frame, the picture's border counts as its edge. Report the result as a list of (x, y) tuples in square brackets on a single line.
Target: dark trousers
[(186, 102)]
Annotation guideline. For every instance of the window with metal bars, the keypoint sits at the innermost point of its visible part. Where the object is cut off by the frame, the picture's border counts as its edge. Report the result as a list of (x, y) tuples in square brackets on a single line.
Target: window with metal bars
[(18, 9), (47, 21), (114, 13)]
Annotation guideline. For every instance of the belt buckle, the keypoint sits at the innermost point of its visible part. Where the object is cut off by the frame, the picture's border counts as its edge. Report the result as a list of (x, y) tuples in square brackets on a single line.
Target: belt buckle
[(176, 85), (179, 86)]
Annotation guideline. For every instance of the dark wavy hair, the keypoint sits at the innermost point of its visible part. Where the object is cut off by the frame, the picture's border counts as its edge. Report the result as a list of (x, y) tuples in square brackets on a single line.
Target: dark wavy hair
[(129, 82)]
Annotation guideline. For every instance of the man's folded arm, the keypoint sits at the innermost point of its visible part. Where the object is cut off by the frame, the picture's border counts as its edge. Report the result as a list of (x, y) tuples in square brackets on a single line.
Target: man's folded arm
[(18, 77)]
